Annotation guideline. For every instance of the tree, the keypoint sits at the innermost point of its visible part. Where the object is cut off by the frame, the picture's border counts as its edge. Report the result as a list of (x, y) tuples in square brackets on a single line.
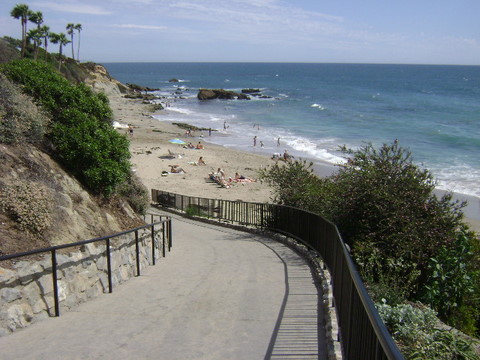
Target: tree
[(37, 18), (62, 40), (36, 35), (45, 31), (22, 12), (78, 27), (70, 29)]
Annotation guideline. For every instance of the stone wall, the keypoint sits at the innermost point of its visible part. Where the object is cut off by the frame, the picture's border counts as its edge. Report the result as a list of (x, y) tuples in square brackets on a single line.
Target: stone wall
[(26, 292)]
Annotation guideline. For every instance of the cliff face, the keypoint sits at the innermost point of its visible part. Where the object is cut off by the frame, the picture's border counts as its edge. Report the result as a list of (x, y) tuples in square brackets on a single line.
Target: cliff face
[(41, 195), (100, 80), (40, 203)]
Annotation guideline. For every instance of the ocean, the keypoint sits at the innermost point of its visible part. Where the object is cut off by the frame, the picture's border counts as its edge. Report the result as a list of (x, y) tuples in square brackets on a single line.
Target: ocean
[(312, 109)]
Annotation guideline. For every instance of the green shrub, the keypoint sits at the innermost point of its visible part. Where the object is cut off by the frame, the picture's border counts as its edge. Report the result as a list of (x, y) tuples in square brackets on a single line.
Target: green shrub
[(452, 282), (135, 193), (384, 207), (414, 330), (28, 204), (87, 144), (194, 210)]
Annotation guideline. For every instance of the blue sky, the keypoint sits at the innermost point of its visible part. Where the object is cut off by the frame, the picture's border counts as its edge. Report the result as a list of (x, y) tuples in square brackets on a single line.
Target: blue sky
[(355, 31)]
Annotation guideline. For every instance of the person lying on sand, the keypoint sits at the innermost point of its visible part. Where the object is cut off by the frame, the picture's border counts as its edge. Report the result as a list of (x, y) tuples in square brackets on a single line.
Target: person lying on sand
[(176, 169), (242, 179)]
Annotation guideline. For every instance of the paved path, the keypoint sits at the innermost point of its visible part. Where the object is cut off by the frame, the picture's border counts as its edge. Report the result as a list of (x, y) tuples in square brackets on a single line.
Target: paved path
[(220, 294)]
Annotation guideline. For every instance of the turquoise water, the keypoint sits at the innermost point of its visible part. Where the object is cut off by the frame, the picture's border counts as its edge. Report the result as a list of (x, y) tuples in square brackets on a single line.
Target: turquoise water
[(432, 110)]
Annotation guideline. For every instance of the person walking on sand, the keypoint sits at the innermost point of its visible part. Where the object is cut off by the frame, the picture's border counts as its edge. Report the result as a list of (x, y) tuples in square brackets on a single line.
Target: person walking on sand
[(130, 130)]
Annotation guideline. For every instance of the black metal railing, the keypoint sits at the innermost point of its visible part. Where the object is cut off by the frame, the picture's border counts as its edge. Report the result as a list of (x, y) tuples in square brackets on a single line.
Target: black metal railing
[(363, 333), (163, 227)]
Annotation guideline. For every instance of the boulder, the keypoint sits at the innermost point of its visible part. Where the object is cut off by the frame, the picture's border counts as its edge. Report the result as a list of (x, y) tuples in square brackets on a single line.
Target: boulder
[(250, 91), (174, 80), (209, 94)]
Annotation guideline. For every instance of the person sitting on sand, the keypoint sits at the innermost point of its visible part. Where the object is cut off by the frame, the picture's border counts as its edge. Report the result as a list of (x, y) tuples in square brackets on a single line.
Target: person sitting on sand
[(287, 156), (200, 161), (199, 146), (175, 169)]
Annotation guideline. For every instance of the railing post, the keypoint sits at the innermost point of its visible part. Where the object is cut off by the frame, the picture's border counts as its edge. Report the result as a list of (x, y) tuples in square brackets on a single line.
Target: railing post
[(153, 244), (55, 283), (109, 266), (170, 243), (137, 252)]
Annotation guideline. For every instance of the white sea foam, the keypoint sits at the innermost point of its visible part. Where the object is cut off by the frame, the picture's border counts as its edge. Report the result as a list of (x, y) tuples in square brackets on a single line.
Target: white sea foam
[(320, 107), (179, 110), (460, 178)]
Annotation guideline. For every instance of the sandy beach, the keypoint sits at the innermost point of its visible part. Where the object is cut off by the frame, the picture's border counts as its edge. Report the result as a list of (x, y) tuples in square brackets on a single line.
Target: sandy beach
[(150, 148)]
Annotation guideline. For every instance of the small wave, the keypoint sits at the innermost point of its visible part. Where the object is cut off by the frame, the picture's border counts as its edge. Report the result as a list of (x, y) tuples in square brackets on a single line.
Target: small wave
[(312, 149), (180, 110), (320, 107)]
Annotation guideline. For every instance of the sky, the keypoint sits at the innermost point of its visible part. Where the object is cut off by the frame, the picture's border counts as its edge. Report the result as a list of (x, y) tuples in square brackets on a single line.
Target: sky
[(338, 31)]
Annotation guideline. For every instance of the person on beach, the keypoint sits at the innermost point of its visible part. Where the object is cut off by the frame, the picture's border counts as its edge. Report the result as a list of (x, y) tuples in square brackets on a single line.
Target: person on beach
[(255, 141), (200, 161), (261, 144), (286, 156), (278, 141), (176, 169), (199, 146), (130, 130)]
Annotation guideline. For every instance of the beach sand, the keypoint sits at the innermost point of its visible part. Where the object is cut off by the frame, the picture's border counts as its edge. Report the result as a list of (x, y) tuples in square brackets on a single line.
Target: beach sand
[(150, 148)]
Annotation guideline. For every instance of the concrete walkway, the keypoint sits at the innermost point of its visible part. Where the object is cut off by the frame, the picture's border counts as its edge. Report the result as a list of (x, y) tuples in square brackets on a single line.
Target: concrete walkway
[(220, 294)]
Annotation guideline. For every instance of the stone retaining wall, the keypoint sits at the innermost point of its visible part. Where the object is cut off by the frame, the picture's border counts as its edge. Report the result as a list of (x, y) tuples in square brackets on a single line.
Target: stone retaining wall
[(26, 292)]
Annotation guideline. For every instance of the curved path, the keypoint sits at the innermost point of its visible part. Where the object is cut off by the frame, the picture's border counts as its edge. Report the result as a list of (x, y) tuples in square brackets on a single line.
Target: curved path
[(220, 294)]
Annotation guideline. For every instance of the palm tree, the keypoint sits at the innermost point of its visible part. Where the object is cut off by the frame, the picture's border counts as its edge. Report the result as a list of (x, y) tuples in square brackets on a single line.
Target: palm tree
[(78, 27), (22, 12), (36, 35), (62, 40), (70, 27), (45, 31), (37, 18)]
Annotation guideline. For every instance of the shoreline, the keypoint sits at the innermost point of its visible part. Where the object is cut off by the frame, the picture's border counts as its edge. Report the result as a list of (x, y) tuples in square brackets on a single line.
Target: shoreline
[(149, 146)]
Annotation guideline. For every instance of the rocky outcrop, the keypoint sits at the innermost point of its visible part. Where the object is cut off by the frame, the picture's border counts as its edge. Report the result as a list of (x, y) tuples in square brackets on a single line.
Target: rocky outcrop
[(100, 81), (250, 91), (210, 94)]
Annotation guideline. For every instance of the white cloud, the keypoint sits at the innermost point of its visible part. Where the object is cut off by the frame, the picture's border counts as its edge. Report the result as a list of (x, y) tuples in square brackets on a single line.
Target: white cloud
[(143, 27), (73, 7)]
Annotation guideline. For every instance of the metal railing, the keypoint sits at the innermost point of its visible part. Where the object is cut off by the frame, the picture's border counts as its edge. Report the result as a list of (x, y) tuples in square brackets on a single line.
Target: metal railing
[(363, 333), (164, 227)]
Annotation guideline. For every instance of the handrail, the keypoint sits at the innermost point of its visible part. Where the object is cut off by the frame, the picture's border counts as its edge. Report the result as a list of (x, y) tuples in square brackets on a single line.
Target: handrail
[(363, 333), (166, 230)]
